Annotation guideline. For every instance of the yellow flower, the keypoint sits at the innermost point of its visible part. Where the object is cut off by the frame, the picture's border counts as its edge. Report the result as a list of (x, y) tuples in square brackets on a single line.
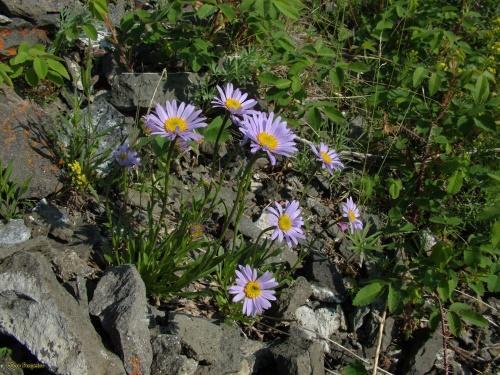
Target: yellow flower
[(78, 178)]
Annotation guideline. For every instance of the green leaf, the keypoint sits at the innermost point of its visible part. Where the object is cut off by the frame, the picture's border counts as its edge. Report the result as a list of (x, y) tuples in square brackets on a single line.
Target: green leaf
[(395, 187), (359, 67), (99, 8), (206, 10), (313, 118), (493, 283), (454, 323), (468, 315), (334, 115), (441, 254), (434, 83), (455, 182), (20, 58), (368, 293), (481, 90), (393, 298), (495, 233), (446, 220), (55, 77), (90, 31), (268, 78), (58, 68), (31, 77), (41, 68), (434, 319), (212, 130), (355, 368), (443, 290), (419, 75), (289, 8), (296, 84), (228, 11), (337, 76), (282, 83)]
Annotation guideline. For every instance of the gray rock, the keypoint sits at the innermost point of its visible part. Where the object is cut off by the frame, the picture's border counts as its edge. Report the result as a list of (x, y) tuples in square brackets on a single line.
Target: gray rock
[(19, 31), (324, 273), (51, 214), (297, 356), (216, 347), (323, 294), (4, 20), (319, 208), (14, 232), (42, 12), (167, 357), (23, 143), (318, 324), (293, 297), (132, 90), (250, 229), (120, 303), (109, 123), (60, 335), (68, 262), (423, 354)]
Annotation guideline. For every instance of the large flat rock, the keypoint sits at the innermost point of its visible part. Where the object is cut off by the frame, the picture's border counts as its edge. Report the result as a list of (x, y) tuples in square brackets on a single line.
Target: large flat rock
[(22, 142), (41, 315)]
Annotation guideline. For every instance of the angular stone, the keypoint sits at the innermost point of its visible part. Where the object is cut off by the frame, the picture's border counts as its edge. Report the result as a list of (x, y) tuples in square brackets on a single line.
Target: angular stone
[(14, 232), (17, 33), (324, 273), (293, 297), (217, 347), (297, 356), (39, 313), (132, 90), (318, 324), (109, 123), (120, 303), (42, 12), (167, 357), (23, 143)]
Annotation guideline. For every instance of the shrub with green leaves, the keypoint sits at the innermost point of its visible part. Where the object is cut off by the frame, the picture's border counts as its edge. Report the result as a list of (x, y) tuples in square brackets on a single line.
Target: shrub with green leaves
[(36, 64)]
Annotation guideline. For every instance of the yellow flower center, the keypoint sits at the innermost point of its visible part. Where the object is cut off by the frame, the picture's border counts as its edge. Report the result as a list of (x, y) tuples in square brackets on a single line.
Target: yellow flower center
[(326, 158), (173, 123), (351, 215), (252, 289), (268, 140), (233, 104), (285, 222)]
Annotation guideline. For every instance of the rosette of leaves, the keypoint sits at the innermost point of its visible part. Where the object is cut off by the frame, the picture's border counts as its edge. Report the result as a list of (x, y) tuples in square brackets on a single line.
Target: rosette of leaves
[(35, 64)]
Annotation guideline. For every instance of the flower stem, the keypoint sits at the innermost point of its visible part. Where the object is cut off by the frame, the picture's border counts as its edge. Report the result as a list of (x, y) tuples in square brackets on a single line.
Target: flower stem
[(217, 140), (310, 178), (240, 195), (165, 182)]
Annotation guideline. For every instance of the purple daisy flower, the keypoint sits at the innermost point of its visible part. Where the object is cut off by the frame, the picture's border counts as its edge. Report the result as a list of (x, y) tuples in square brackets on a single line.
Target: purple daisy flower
[(329, 158), (126, 157), (174, 121), (287, 222), (256, 292), (268, 134), (351, 212), (234, 101)]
